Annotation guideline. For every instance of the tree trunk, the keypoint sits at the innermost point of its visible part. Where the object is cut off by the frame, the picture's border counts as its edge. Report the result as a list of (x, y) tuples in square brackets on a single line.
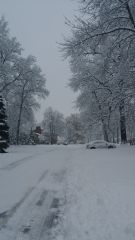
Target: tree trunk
[(18, 124), (122, 123), (20, 114), (105, 133), (117, 134)]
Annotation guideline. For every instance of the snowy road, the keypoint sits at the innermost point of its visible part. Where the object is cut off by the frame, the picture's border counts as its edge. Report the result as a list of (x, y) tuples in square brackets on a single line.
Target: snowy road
[(67, 193)]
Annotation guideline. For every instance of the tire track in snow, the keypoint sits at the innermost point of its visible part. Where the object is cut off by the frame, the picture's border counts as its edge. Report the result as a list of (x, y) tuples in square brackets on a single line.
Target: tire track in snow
[(39, 212), (43, 212), (31, 224), (6, 215), (53, 223), (51, 220), (17, 163)]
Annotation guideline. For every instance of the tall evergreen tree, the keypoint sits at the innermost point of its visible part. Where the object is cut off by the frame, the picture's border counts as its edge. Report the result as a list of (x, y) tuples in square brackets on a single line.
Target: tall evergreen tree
[(4, 135)]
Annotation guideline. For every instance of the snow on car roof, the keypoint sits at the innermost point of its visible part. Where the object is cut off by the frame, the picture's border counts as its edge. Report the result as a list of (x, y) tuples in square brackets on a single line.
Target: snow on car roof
[(97, 141)]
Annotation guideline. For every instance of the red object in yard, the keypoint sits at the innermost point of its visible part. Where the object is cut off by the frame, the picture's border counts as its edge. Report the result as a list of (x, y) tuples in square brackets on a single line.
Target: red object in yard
[(38, 130)]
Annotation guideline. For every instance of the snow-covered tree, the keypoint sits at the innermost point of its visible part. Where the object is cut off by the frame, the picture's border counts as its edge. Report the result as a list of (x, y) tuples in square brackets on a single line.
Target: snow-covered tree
[(31, 85), (103, 39), (4, 136), (74, 129), (53, 124), (10, 49), (21, 83), (27, 119)]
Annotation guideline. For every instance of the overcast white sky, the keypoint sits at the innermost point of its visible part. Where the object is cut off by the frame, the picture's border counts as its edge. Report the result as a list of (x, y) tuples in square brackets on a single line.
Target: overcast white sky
[(38, 25)]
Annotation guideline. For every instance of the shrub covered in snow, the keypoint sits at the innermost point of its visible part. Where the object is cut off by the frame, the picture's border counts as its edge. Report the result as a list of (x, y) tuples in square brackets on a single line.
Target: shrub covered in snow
[(4, 136)]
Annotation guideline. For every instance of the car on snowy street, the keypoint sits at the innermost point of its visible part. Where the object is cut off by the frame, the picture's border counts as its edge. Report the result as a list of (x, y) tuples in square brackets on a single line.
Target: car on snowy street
[(100, 144)]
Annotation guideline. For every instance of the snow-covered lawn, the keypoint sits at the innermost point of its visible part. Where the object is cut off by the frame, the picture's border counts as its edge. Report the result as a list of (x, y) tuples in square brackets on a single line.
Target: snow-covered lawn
[(67, 193), (101, 195)]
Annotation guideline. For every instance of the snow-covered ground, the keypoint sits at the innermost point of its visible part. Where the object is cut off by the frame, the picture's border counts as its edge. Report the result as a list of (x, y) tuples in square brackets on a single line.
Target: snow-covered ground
[(67, 193)]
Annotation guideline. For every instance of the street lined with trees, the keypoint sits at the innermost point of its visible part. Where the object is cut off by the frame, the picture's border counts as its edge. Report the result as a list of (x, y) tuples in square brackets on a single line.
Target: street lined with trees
[(101, 54)]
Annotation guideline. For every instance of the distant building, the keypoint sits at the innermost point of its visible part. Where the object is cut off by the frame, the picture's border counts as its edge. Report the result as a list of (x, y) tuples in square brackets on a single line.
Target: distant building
[(38, 130)]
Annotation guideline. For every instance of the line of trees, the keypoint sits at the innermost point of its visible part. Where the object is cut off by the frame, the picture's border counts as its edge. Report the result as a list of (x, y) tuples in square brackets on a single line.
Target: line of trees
[(54, 125), (101, 51), (21, 83)]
